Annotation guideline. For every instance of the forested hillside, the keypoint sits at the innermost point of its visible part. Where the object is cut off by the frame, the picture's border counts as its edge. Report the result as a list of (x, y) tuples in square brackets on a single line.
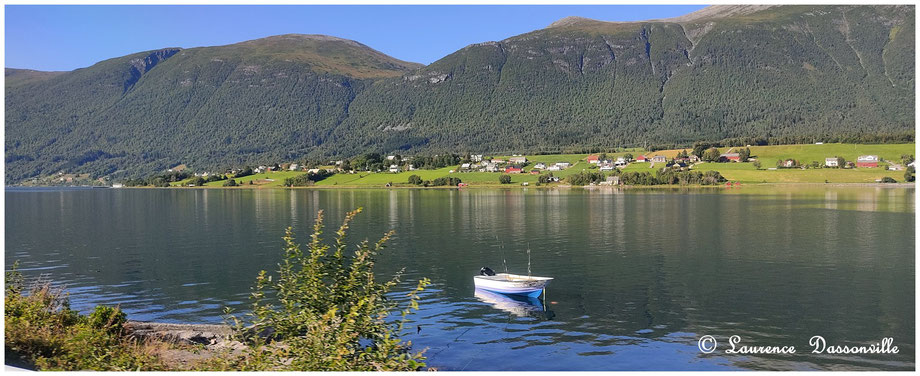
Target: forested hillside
[(782, 72), (778, 72)]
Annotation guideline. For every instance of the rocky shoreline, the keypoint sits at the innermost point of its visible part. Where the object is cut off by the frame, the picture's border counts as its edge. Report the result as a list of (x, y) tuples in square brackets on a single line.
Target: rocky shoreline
[(190, 343)]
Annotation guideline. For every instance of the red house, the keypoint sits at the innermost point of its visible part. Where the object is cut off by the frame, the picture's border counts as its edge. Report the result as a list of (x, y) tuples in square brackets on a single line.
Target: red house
[(535, 172), (641, 158), (512, 170), (867, 161), (593, 159), (734, 157)]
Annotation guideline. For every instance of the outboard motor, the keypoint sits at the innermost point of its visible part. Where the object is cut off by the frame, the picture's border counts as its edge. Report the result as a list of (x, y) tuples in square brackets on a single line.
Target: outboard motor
[(486, 271)]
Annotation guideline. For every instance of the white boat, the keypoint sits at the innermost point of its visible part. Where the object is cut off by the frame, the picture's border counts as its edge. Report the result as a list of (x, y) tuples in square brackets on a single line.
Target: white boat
[(512, 284)]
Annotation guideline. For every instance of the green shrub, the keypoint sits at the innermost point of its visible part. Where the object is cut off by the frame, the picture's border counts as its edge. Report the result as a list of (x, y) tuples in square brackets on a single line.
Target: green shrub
[(504, 179), (327, 310), (108, 318), (42, 331), (230, 183), (415, 180)]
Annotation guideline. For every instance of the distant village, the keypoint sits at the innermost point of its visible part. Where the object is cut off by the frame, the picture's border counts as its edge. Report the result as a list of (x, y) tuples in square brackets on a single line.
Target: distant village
[(515, 164)]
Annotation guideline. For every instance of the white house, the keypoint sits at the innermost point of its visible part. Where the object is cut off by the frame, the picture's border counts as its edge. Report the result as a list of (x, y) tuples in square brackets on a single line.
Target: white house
[(394, 168), (294, 167), (540, 166), (831, 162), (518, 159), (611, 180), (498, 161), (607, 167), (620, 161), (554, 167), (563, 164), (476, 157), (465, 166), (391, 157), (659, 159)]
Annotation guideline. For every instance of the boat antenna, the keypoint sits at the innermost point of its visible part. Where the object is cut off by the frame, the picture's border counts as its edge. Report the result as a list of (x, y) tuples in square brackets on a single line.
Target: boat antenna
[(502, 249)]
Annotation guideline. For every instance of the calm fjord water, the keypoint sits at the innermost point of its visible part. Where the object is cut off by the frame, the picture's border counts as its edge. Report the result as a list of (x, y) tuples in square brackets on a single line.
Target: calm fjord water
[(640, 274)]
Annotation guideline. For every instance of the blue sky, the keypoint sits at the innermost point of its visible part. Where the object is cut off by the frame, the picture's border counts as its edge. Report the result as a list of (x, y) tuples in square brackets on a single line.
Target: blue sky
[(70, 37)]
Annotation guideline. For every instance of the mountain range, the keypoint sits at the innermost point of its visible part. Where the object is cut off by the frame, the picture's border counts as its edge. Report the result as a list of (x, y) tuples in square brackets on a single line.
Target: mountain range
[(771, 72)]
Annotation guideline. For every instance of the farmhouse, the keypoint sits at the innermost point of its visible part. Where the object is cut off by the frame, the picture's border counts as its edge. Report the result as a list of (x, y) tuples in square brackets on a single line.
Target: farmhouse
[(294, 167), (498, 160), (831, 162), (394, 168), (518, 159), (620, 161), (540, 165), (641, 158), (476, 157), (867, 161), (659, 159), (513, 170), (563, 164), (733, 157), (593, 159)]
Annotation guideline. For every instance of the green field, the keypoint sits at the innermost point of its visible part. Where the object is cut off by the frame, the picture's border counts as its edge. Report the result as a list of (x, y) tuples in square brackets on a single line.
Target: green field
[(740, 172), (746, 173), (268, 179)]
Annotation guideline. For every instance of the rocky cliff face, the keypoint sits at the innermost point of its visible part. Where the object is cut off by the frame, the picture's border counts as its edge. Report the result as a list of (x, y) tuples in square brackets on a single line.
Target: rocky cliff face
[(141, 65)]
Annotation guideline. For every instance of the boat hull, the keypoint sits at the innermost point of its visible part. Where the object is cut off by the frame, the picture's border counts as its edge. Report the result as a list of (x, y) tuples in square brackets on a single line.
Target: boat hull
[(512, 284)]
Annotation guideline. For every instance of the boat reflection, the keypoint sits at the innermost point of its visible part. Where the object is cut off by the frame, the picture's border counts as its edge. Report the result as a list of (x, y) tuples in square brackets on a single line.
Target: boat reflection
[(517, 305)]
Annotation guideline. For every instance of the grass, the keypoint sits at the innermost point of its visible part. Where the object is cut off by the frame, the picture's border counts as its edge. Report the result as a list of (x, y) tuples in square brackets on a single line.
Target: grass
[(746, 173), (768, 155)]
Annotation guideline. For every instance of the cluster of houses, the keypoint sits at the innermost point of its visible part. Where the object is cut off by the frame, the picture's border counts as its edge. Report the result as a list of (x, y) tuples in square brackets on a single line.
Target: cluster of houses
[(514, 165), (863, 161)]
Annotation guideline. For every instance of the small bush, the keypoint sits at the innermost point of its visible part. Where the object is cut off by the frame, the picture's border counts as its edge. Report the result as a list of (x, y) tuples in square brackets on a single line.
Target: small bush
[(327, 310), (108, 318), (888, 179), (504, 179)]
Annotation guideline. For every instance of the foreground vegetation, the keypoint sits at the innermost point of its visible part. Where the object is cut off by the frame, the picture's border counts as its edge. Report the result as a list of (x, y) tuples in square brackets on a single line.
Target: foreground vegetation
[(323, 311), (42, 331)]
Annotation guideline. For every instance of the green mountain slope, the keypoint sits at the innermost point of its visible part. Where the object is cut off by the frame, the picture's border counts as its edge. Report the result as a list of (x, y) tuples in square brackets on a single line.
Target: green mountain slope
[(725, 71), (733, 71), (267, 99)]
